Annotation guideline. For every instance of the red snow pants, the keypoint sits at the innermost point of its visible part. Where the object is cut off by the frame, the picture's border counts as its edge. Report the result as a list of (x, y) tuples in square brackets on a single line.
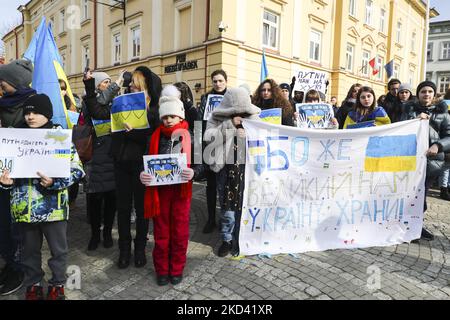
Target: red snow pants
[(171, 232)]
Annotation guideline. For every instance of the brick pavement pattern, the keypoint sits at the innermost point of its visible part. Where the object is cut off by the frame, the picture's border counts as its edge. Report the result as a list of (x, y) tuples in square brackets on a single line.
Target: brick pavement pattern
[(407, 271)]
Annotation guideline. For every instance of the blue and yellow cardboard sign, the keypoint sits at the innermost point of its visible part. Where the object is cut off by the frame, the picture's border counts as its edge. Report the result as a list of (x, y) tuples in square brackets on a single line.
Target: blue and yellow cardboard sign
[(130, 109)]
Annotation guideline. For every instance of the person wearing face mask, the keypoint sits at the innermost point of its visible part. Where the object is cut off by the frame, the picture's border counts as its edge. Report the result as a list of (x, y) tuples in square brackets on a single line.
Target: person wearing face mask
[(366, 110), (268, 95), (439, 134), (404, 97), (348, 104), (100, 187)]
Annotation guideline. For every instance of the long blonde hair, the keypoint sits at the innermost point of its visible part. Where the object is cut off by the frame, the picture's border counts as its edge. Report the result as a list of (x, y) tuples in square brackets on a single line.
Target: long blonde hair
[(138, 80)]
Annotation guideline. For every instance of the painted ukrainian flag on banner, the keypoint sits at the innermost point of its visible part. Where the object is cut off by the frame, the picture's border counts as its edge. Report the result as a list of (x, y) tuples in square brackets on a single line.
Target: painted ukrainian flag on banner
[(130, 109), (391, 154), (256, 148), (272, 116)]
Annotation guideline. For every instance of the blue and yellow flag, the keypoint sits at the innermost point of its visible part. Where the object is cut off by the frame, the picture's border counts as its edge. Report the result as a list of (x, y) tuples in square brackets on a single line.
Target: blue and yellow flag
[(130, 109), (256, 147), (391, 154), (47, 72), (272, 116), (264, 70)]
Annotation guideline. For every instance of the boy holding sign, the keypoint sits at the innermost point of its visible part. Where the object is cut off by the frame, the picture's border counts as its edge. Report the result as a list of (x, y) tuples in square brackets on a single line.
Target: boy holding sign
[(169, 205), (41, 206)]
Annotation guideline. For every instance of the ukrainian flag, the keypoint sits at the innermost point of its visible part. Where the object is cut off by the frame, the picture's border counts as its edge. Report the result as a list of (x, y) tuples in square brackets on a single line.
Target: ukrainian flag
[(391, 154), (130, 109), (256, 148), (272, 116)]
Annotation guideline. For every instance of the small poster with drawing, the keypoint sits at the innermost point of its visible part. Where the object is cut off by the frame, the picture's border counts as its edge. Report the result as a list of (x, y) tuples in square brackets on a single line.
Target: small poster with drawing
[(213, 101), (314, 115), (165, 169)]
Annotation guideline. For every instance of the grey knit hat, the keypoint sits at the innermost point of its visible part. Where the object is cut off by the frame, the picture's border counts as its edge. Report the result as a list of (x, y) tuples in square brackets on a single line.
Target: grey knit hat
[(100, 77), (18, 73), (405, 86)]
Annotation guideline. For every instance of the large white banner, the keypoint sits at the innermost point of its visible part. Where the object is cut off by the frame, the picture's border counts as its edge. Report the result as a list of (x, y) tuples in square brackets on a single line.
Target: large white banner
[(24, 152), (313, 190)]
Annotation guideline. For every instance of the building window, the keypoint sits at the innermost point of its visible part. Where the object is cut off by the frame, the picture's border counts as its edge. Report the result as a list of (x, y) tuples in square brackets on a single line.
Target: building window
[(63, 60), (315, 40), (365, 63), (430, 52), (369, 7), (445, 51), (443, 82), (270, 30), (85, 57), (85, 9), (352, 8), (62, 21), (396, 71), (399, 32), (429, 76), (380, 64), (413, 42), (411, 77), (382, 20), (117, 48), (349, 57), (136, 42)]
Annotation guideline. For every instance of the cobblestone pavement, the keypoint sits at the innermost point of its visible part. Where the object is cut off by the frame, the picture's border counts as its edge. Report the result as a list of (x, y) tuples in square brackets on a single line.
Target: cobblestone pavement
[(407, 271)]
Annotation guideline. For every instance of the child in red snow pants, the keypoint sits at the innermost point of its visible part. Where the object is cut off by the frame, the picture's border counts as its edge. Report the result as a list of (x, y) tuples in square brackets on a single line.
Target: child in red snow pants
[(171, 232)]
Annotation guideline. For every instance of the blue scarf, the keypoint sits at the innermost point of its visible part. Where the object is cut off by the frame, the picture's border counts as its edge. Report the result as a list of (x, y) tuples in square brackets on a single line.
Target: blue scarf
[(12, 100)]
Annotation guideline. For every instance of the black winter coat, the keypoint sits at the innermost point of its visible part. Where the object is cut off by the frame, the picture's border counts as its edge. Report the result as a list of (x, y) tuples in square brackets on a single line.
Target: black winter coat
[(343, 111), (100, 170), (439, 132)]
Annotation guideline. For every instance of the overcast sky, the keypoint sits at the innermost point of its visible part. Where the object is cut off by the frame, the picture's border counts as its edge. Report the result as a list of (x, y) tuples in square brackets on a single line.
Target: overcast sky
[(9, 13)]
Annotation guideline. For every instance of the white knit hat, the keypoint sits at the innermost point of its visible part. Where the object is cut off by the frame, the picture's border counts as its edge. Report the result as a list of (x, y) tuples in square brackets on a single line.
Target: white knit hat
[(171, 106)]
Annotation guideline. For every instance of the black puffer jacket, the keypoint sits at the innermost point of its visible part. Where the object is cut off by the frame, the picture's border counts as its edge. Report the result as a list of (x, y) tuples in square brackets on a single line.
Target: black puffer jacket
[(389, 103), (343, 111), (100, 170), (439, 131)]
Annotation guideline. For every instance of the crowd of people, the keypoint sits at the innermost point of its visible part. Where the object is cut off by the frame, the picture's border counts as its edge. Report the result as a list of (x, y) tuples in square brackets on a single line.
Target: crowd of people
[(115, 181)]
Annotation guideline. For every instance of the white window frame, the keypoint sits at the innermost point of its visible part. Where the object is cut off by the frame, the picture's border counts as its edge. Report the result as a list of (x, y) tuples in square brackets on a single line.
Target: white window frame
[(365, 62), (349, 57), (430, 48), (443, 82), (352, 8), (380, 64), (382, 20), (62, 21), (85, 9), (271, 25), (396, 71), (114, 48), (445, 50), (398, 36), (138, 48), (85, 54), (413, 41), (369, 12), (315, 48)]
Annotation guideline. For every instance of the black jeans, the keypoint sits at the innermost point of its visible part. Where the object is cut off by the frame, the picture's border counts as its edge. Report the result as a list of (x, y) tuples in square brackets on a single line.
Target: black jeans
[(98, 201), (10, 234), (129, 188)]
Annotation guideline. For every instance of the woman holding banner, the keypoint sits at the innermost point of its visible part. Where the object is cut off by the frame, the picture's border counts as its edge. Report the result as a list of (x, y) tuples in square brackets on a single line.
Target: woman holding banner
[(100, 187), (366, 113), (268, 95), (439, 140)]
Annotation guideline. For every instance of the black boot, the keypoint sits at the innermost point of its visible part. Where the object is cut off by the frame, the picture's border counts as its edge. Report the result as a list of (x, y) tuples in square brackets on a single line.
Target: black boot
[(224, 249), (445, 194), (107, 239), (426, 235), (139, 254), (95, 240), (4, 274), (13, 282), (124, 256)]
